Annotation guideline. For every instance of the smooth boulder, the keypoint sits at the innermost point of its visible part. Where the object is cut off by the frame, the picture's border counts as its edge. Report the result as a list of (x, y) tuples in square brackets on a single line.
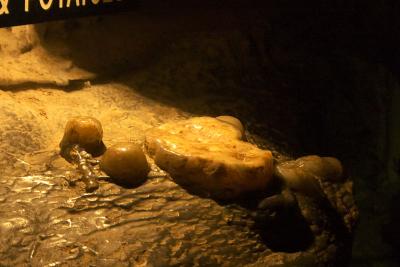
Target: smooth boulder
[(206, 156)]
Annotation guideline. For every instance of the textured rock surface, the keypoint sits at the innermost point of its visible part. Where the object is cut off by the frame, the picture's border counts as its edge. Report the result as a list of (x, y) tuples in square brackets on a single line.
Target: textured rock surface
[(48, 219), (24, 61), (284, 76), (45, 222), (207, 156)]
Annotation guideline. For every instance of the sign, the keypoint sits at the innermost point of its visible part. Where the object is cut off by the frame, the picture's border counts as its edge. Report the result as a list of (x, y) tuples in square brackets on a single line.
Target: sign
[(18, 12)]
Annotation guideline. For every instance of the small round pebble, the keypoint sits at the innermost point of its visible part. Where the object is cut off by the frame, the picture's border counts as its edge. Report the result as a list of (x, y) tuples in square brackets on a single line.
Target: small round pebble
[(125, 163), (84, 131)]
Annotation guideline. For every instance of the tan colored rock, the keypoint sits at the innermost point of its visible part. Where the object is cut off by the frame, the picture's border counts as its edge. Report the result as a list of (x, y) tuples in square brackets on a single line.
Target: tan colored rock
[(25, 61), (304, 174), (232, 121), (206, 156), (84, 131), (125, 163)]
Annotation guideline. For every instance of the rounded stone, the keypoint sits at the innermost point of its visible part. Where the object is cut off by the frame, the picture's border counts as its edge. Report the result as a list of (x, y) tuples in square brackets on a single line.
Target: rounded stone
[(298, 178), (206, 157), (326, 168), (86, 132), (125, 163), (303, 173)]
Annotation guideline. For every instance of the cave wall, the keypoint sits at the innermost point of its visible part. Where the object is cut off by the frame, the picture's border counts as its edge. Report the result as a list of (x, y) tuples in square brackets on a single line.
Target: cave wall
[(322, 79)]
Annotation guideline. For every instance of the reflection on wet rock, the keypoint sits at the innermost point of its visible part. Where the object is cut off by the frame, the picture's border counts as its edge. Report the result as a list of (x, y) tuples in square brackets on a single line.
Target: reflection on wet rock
[(45, 223), (49, 218)]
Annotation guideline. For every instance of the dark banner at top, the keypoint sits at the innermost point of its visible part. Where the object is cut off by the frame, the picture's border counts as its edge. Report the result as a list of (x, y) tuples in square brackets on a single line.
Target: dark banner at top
[(18, 12)]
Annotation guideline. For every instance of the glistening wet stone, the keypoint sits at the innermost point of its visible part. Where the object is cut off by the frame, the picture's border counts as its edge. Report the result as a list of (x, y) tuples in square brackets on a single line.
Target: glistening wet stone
[(46, 222), (48, 218)]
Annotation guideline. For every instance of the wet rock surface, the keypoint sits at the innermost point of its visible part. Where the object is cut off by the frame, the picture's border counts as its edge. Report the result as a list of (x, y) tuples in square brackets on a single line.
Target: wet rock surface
[(48, 218), (45, 222)]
